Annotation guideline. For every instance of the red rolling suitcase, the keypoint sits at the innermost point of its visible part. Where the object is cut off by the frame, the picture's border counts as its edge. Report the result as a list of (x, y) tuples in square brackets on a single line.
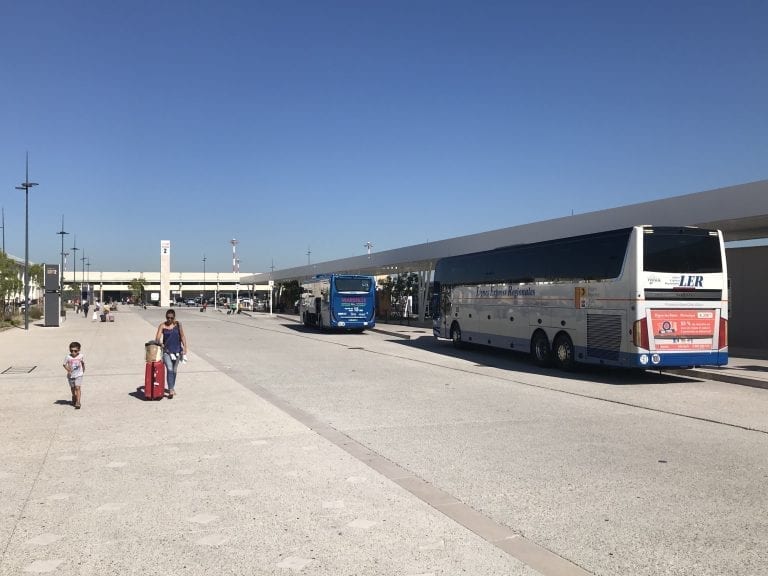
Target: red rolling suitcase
[(154, 380)]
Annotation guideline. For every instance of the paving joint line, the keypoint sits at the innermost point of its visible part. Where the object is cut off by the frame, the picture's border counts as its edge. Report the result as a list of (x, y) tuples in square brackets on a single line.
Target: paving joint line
[(526, 551), (31, 488)]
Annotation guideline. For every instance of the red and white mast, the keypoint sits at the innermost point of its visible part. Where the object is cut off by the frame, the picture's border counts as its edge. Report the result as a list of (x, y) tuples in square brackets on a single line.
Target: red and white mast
[(235, 262)]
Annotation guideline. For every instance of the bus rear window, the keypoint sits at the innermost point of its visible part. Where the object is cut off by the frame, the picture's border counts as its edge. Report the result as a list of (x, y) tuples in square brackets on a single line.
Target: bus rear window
[(353, 284), (680, 250)]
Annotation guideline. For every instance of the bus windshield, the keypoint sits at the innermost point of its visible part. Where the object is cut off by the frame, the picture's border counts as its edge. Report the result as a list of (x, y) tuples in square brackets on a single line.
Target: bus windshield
[(352, 284), (681, 251)]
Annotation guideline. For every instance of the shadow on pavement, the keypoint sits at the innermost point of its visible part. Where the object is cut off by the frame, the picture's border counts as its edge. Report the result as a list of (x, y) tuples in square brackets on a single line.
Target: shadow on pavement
[(487, 357), (312, 330), (748, 368), (139, 395)]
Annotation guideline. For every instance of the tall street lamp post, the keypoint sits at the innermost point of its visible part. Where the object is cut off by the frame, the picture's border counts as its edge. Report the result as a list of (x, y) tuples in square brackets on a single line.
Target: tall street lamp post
[(74, 265), (61, 272), (26, 185), (88, 279), (202, 298), (85, 284)]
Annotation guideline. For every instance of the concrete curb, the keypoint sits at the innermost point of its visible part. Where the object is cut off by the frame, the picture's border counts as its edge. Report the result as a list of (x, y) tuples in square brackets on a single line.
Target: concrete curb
[(729, 378)]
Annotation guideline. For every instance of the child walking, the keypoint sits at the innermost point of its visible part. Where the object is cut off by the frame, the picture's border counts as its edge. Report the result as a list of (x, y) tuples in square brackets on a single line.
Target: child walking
[(74, 364)]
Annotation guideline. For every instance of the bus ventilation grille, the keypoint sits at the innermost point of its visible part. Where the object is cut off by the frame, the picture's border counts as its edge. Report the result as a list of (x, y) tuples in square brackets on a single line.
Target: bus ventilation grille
[(603, 336)]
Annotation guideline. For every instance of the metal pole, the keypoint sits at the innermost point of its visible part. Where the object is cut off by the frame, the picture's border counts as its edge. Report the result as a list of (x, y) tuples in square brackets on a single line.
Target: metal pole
[(202, 299), (26, 185), (88, 290), (271, 285), (74, 265), (61, 272), (83, 259), (26, 257)]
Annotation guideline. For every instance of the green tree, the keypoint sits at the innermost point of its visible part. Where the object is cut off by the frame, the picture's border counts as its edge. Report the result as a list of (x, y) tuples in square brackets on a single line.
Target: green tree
[(384, 297), (137, 289), (37, 275), (405, 285), (394, 291), (10, 283), (72, 290), (289, 292)]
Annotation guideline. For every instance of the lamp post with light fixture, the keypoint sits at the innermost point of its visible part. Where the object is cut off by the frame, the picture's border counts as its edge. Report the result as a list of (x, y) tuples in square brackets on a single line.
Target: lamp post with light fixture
[(26, 185), (61, 274), (74, 271)]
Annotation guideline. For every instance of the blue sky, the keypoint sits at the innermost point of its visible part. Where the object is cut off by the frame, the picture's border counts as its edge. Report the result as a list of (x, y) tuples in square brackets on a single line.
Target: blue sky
[(326, 124)]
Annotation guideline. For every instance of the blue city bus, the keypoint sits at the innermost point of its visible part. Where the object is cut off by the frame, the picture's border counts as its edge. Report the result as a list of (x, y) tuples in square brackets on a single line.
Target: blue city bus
[(340, 301)]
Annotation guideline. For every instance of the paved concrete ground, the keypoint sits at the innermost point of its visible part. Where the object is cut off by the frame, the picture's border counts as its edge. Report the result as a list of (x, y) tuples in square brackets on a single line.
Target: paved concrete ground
[(621, 473), (743, 371), (218, 481)]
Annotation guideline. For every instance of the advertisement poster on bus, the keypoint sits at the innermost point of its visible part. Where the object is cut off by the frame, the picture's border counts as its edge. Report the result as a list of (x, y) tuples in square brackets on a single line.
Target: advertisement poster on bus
[(683, 329), (352, 306)]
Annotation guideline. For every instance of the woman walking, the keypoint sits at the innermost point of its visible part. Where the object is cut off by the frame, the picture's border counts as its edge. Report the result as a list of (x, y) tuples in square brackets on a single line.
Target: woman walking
[(171, 334)]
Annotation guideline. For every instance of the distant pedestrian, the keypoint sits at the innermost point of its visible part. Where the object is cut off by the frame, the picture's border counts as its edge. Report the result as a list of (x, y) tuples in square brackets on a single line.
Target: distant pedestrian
[(74, 364), (171, 334), (85, 308)]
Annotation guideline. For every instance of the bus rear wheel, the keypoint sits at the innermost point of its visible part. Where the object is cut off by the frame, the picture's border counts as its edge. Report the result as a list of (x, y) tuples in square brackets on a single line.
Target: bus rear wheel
[(456, 335), (563, 352), (540, 350)]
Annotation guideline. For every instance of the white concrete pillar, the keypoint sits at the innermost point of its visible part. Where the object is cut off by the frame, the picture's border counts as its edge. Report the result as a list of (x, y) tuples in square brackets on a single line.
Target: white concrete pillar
[(165, 273)]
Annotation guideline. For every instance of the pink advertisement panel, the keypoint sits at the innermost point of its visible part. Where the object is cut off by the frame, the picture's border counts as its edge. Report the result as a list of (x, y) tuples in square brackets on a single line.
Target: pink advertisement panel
[(682, 329)]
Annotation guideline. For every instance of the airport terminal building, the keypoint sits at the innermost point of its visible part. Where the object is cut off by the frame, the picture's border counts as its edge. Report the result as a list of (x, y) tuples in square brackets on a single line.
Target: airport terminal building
[(741, 212), (161, 289)]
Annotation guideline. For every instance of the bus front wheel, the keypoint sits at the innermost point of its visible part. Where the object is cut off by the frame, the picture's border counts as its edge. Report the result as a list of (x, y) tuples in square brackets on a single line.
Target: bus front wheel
[(540, 350), (563, 352), (456, 335)]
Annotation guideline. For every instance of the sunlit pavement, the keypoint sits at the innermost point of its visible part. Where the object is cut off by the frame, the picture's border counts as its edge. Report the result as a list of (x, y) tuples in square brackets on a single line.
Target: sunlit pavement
[(215, 481)]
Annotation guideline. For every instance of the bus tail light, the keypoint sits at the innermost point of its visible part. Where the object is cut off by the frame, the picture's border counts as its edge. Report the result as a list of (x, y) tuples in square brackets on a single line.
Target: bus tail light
[(640, 333), (722, 339)]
